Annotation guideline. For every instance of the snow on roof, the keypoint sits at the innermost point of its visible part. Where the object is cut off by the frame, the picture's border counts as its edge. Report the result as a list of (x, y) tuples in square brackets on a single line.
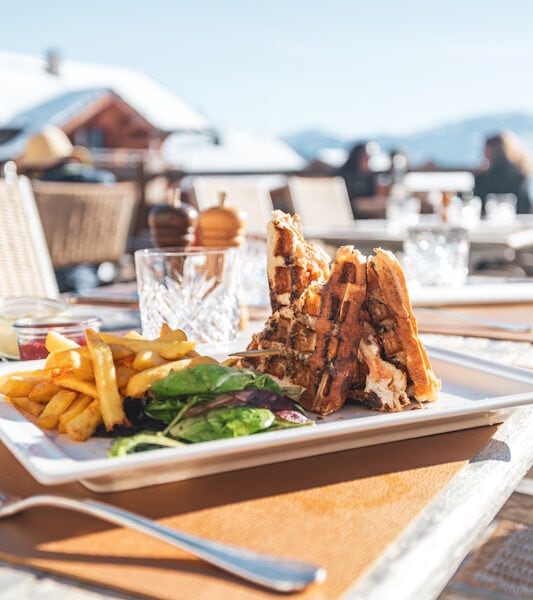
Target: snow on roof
[(57, 111), (25, 83), (236, 151)]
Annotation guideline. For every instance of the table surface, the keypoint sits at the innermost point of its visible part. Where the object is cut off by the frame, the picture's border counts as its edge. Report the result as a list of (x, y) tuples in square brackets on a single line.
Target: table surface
[(438, 539), (367, 231)]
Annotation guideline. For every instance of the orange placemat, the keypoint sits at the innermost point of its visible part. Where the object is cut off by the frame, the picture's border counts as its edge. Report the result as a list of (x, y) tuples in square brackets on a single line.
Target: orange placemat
[(339, 510)]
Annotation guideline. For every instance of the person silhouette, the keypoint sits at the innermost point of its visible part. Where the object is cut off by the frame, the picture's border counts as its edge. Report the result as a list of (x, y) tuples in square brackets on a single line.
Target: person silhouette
[(507, 167)]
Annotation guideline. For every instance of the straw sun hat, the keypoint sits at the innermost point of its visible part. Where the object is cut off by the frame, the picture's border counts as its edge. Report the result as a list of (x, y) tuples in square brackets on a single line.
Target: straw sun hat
[(46, 148)]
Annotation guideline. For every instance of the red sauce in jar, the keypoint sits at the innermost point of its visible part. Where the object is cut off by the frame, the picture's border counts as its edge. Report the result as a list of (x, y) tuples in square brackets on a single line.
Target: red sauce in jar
[(33, 350), (36, 347)]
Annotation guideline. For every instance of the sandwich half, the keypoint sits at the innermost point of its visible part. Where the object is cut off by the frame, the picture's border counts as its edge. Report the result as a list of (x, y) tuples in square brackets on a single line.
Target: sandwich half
[(398, 368)]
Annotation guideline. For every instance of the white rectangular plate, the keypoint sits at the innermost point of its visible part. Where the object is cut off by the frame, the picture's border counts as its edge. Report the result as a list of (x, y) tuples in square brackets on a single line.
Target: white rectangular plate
[(475, 392)]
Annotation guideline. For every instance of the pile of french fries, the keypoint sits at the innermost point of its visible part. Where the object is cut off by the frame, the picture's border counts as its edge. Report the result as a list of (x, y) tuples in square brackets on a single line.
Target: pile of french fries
[(82, 387)]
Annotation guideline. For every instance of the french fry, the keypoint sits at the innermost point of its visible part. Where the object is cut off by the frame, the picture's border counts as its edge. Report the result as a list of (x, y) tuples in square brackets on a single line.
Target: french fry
[(72, 382), (43, 391), (56, 341), (230, 362), (36, 373), (59, 403), (124, 373), (139, 383), (133, 335), (147, 359), (70, 358), (174, 335), (171, 350), (84, 386), (83, 425), (19, 385), (120, 351), (165, 328), (27, 405), (77, 360), (79, 405), (106, 381)]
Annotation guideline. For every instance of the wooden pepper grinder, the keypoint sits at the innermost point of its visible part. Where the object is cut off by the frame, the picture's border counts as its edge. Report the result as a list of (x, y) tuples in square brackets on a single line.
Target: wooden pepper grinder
[(173, 224), (221, 225)]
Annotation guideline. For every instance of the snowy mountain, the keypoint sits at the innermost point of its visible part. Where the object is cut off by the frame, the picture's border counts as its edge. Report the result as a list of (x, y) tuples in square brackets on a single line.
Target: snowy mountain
[(458, 144)]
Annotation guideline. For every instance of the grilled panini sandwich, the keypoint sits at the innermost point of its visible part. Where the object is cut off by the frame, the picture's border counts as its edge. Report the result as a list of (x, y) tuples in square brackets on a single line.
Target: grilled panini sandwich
[(345, 333)]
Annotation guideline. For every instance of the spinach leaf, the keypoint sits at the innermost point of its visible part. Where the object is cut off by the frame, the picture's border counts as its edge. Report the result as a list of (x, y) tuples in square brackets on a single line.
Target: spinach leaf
[(164, 409), (226, 422), (140, 443), (211, 379)]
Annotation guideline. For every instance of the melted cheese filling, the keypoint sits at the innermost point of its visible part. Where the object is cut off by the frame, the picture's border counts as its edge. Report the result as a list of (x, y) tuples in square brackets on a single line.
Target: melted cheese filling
[(384, 379)]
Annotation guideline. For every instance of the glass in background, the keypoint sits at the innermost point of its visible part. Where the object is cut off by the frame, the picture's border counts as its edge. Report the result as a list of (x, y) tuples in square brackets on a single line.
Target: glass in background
[(436, 255), (464, 212), (32, 332), (12, 309), (501, 208), (254, 279), (402, 212)]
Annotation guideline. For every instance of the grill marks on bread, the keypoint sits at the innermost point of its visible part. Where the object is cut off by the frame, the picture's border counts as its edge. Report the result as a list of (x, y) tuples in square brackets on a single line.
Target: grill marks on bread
[(344, 333), (292, 263), (333, 363)]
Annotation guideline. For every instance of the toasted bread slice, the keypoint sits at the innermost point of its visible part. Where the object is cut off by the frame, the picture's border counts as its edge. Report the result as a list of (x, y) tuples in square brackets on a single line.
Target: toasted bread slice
[(291, 331), (292, 263), (391, 314), (338, 332)]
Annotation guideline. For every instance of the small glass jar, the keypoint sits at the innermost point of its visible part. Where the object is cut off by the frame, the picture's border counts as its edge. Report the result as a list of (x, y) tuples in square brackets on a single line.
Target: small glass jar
[(31, 333), (12, 309)]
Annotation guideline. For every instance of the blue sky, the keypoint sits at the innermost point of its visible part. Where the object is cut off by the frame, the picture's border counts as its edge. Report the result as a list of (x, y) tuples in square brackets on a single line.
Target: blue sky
[(352, 68)]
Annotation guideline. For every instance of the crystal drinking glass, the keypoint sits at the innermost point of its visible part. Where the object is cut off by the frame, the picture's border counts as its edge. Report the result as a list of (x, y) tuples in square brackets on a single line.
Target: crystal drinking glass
[(194, 289)]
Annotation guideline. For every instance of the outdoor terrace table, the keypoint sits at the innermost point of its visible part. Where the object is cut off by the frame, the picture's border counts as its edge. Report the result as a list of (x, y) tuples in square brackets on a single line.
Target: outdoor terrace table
[(485, 240), (387, 521)]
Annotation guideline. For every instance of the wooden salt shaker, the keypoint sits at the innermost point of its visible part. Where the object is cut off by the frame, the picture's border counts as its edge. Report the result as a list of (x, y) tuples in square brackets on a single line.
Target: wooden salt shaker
[(221, 225), (173, 224)]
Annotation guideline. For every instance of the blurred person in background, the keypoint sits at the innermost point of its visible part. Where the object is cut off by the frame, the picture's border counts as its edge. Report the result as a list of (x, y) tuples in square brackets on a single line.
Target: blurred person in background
[(50, 156), (361, 182), (507, 168)]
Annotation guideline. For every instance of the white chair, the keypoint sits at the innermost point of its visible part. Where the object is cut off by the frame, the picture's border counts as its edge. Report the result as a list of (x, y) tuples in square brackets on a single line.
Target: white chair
[(250, 195), (320, 201), (25, 265)]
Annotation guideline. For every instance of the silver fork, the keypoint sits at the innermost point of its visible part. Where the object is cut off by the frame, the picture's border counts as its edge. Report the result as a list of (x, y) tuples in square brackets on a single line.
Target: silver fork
[(272, 572)]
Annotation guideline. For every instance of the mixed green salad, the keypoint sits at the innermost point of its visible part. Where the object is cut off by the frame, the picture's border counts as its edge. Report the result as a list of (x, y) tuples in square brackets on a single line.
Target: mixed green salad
[(208, 402)]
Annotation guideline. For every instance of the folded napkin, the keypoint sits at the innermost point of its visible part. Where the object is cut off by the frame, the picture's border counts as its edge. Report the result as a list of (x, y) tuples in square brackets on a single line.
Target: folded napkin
[(338, 510)]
